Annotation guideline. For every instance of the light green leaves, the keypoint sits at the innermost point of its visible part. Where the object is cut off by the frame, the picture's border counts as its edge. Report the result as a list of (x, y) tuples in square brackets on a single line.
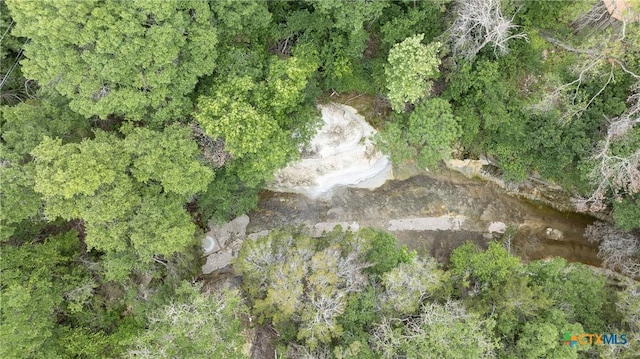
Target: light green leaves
[(136, 59), (162, 156), (19, 200), (244, 128), (411, 65), (262, 120), (287, 81), (437, 332), (77, 168), (409, 284), (160, 226), (194, 325), (294, 279), (129, 192), (41, 283)]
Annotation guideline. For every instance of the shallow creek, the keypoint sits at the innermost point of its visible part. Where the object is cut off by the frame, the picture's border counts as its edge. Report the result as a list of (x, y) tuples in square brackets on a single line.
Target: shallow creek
[(342, 179), (434, 213)]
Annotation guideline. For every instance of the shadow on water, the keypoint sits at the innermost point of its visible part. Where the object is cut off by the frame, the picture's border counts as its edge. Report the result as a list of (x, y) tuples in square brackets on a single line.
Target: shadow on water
[(542, 232)]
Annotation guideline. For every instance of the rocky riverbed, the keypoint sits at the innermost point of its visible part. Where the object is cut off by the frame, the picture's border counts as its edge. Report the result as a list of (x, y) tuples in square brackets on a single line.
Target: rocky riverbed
[(342, 180)]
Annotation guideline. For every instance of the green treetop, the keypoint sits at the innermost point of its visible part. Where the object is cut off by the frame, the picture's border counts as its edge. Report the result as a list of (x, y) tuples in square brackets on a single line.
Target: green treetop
[(411, 66), (138, 59), (111, 185)]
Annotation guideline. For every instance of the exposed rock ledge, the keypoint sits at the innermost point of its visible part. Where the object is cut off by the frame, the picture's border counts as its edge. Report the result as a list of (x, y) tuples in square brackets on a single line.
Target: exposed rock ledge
[(341, 154), (222, 243), (533, 188)]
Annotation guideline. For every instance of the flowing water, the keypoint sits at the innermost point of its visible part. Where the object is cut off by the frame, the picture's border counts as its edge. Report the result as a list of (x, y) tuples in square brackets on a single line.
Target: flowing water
[(428, 211), (434, 213)]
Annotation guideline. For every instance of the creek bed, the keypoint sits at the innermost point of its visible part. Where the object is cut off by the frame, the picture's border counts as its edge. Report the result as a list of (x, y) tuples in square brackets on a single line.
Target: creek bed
[(471, 204)]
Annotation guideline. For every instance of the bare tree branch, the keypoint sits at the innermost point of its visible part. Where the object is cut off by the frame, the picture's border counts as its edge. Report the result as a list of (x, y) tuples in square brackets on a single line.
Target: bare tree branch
[(615, 173), (479, 23), (618, 250), (604, 49)]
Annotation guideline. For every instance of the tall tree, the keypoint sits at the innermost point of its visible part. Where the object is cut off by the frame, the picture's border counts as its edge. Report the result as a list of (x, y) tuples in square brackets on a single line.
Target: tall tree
[(435, 333), (257, 112), (137, 59), (411, 66), (339, 30), (129, 192), (425, 136), (408, 285), (193, 325), (23, 127), (45, 290), (294, 279)]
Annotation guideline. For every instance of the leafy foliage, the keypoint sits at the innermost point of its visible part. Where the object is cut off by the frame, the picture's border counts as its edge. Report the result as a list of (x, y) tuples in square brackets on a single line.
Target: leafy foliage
[(340, 32), (403, 20), (126, 204), (138, 60), (290, 278), (91, 141), (626, 213), (411, 66), (483, 269), (45, 294), (574, 288), (23, 127), (425, 136), (193, 325), (408, 285), (384, 253), (261, 120), (436, 333)]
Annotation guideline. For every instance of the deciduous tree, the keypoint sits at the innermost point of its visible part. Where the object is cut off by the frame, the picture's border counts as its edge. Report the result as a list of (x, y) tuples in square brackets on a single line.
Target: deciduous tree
[(407, 286), (425, 136), (194, 325), (293, 279), (411, 67), (435, 333)]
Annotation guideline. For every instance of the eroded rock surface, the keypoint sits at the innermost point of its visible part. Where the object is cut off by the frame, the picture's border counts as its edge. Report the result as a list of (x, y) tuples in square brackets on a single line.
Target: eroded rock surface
[(228, 239), (341, 154), (434, 213)]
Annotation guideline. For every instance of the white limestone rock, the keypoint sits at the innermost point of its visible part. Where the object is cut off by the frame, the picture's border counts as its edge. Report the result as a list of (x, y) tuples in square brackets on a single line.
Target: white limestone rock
[(341, 154)]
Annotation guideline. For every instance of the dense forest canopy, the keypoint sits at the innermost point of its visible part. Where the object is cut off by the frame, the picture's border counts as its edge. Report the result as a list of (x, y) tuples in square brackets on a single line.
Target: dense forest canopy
[(126, 126)]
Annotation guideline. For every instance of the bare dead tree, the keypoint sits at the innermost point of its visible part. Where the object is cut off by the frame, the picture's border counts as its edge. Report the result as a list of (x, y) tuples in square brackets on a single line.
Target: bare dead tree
[(612, 172), (596, 19), (601, 52), (479, 23), (618, 250), (297, 351)]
